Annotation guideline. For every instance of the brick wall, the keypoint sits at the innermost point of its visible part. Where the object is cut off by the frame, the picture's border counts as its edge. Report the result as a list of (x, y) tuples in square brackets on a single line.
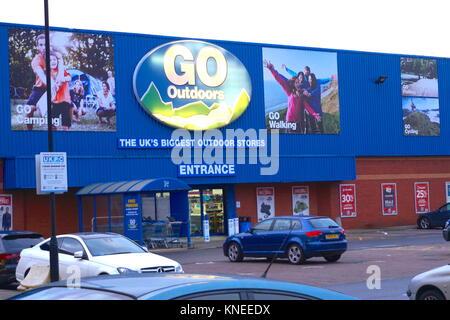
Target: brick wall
[(371, 173), (31, 212)]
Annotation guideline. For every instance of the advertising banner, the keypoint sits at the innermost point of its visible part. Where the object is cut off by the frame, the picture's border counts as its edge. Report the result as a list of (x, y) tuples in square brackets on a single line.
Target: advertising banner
[(193, 85), (300, 200), (347, 195), (265, 203), (83, 84), (420, 97), (301, 91), (422, 197), (6, 212), (132, 217), (389, 199)]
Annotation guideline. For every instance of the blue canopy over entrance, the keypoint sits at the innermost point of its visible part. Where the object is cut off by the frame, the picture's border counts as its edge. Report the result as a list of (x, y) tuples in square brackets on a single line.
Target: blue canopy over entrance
[(158, 185), (130, 207)]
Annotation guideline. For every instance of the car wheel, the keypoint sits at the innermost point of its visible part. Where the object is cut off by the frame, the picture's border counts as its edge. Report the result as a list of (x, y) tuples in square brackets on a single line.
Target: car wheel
[(431, 294), (235, 252), (295, 254), (424, 223), (332, 258)]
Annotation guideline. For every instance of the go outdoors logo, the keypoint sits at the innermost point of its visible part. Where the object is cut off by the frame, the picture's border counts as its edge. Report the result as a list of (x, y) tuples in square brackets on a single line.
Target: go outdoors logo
[(192, 85)]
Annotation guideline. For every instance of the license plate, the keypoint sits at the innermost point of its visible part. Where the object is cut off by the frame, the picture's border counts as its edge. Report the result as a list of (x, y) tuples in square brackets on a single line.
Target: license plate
[(331, 236)]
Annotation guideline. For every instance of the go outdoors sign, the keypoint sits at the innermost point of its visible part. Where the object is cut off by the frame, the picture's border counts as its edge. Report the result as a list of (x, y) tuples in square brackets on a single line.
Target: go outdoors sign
[(192, 85)]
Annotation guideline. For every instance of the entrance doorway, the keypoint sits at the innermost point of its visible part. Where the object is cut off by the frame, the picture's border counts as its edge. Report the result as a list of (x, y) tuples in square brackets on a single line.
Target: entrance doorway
[(210, 202)]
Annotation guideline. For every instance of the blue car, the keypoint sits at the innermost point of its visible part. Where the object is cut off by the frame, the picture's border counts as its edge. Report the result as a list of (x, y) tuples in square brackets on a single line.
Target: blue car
[(434, 219), (296, 238), (177, 286)]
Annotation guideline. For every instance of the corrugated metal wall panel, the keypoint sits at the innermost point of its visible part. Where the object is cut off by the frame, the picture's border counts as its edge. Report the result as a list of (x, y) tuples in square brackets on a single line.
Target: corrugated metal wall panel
[(370, 120), (83, 170)]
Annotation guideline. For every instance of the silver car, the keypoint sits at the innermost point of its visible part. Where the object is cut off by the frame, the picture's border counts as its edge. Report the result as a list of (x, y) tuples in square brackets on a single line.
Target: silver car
[(431, 285)]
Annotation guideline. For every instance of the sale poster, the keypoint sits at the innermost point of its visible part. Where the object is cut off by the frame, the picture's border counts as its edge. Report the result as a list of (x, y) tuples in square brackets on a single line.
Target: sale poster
[(347, 195), (422, 197), (300, 200), (389, 199), (265, 202)]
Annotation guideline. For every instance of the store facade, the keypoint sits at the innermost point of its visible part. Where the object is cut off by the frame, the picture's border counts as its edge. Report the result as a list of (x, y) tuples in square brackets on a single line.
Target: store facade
[(363, 139)]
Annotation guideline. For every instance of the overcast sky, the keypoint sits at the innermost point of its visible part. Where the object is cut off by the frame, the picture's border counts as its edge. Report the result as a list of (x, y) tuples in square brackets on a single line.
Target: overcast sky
[(390, 26)]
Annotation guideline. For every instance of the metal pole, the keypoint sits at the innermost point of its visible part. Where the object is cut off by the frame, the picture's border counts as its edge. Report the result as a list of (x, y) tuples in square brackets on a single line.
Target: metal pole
[(54, 263)]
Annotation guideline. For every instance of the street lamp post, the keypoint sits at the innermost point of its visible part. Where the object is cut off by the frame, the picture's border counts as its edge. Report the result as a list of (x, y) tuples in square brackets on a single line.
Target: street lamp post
[(54, 263)]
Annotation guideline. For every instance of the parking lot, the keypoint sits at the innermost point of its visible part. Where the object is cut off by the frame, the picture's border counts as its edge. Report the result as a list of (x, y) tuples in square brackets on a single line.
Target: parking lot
[(400, 254)]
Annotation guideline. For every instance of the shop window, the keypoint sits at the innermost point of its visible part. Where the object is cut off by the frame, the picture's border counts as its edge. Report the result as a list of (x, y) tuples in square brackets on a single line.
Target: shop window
[(156, 207), (116, 207), (87, 204), (195, 212), (207, 202)]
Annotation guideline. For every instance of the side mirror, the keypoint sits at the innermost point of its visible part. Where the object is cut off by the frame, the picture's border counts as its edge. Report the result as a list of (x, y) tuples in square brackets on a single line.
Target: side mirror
[(80, 255)]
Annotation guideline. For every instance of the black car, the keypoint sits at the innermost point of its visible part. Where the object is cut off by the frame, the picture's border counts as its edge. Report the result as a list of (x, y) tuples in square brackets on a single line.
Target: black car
[(434, 219), (11, 244), (446, 231)]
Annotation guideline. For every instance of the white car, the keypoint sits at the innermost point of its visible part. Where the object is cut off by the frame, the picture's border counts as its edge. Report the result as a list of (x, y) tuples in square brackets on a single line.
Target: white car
[(92, 254), (431, 285)]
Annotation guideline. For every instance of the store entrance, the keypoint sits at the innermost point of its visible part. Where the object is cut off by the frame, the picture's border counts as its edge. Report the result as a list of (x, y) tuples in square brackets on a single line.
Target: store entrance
[(210, 202)]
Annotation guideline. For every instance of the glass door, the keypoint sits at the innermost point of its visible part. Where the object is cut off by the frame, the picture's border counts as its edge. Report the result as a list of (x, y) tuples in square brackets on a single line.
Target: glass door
[(213, 207), (210, 202), (195, 212)]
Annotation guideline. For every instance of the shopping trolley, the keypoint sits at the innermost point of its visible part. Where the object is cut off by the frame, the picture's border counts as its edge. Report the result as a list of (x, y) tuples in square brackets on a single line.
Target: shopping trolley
[(155, 234), (174, 234)]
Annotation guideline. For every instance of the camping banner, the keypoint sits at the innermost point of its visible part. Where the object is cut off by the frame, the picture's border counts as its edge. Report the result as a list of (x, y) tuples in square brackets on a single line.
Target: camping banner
[(83, 84)]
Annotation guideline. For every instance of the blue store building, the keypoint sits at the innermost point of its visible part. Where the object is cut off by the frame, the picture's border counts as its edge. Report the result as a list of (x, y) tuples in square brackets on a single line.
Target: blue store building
[(158, 128)]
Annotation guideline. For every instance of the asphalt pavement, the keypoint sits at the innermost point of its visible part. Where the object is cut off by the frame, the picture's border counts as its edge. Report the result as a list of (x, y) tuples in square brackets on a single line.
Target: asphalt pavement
[(379, 244), (353, 236)]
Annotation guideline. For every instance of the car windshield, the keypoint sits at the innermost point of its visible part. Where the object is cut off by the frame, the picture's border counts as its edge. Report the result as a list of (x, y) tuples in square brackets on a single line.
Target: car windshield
[(17, 243), (323, 223), (112, 245)]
